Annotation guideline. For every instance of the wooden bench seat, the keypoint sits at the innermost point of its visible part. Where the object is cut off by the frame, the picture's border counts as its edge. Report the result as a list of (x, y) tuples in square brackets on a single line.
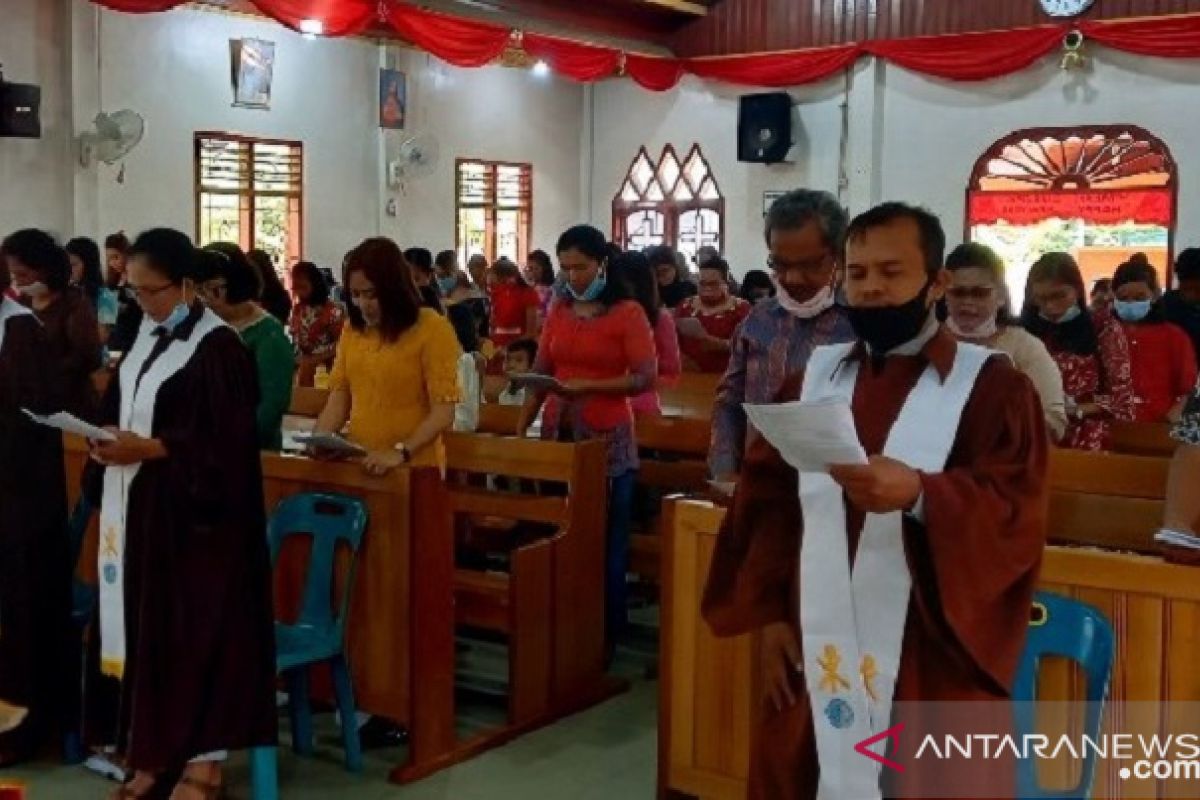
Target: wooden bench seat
[(1142, 438), (550, 603)]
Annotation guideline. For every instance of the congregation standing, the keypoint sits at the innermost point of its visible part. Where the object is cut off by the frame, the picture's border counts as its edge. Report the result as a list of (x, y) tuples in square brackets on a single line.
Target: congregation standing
[(190, 357)]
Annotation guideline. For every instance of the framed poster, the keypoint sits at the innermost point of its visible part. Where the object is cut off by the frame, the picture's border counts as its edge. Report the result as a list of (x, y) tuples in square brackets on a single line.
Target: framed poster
[(393, 99), (253, 65), (769, 197)]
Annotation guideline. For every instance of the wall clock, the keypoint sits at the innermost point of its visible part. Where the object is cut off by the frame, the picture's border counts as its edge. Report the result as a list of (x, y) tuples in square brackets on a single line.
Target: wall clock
[(1066, 8)]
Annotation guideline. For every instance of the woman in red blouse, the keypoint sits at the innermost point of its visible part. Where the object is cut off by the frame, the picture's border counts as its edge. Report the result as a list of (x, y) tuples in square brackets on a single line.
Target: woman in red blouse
[(515, 305), (316, 321), (1164, 362), (718, 313), (1090, 349), (598, 346), (634, 269)]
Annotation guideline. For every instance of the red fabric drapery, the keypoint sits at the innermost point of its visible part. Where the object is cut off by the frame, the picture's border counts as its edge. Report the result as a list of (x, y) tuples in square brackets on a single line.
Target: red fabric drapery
[(583, 62), (970, 56), (1169, 37), (337, 17), (461, 42), (1143, 206), (962, 57), (777, 70), (655, 74)]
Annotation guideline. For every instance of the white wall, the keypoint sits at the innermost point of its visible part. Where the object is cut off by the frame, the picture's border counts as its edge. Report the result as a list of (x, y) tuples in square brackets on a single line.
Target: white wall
[(35, 174), (173, 68), (627, 117), (910, 138)]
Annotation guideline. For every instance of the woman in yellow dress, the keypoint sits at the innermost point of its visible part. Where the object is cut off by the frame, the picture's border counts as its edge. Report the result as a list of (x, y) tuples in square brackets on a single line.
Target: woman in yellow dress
[(395, 375)]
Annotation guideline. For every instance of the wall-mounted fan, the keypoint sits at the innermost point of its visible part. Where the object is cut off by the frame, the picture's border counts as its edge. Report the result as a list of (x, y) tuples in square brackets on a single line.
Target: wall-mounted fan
[(416, 158), (111, 138)]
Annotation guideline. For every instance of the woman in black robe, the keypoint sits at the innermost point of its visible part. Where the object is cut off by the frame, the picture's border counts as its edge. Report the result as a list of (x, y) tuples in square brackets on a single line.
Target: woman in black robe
[(35, 570), (194, 642)]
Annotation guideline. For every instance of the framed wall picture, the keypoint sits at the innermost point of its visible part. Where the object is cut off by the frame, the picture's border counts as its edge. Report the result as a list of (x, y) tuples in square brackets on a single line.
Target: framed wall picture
[(393, 99), (769, 197), (253, 66)]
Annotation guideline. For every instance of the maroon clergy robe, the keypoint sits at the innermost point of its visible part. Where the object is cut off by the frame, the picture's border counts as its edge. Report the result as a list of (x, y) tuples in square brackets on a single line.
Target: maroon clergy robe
[(974, 561), (200, 644)]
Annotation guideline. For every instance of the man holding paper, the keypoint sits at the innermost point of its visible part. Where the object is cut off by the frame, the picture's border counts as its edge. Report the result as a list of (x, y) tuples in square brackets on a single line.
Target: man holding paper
[(914, 568)]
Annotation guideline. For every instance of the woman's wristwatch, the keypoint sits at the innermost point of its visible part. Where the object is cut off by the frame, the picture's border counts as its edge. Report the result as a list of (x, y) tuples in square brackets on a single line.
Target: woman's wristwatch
[(404, 452)]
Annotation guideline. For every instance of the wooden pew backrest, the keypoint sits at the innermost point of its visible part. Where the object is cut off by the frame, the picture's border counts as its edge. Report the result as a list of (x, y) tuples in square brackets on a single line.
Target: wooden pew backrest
[(1142, 438), (1106, 499), (307, 402), (690, 395)]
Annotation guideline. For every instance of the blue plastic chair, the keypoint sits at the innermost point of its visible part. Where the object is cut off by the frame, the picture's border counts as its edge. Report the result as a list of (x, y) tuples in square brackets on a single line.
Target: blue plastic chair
[(319, 634), (1070, 629)]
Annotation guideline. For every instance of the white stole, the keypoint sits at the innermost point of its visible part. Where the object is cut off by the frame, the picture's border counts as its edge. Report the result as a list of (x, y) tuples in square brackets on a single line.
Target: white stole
[(136, 415), (10, 308), (852, 625)]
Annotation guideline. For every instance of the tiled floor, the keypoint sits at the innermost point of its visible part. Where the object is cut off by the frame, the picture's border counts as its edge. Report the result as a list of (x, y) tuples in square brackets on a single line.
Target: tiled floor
[(607, 752)]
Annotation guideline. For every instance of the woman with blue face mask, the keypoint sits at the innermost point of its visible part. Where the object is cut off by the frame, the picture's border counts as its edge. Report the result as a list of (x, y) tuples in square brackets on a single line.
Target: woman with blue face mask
[(598, 346), (1091, 350), (1164, 363)]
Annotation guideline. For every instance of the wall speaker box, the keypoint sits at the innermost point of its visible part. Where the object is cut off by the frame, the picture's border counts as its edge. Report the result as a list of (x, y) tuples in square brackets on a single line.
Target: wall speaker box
[(20, 105), (764, 127)]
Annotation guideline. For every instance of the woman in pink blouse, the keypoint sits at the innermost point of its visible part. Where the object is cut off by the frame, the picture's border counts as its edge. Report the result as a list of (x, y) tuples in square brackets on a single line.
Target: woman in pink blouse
[(634, 270), (598, 346), (1090, 349)]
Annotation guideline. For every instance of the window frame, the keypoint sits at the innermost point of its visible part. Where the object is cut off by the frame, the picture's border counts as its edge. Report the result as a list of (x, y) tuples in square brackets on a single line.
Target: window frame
[(671, 209), (247, 214), (491, 208)]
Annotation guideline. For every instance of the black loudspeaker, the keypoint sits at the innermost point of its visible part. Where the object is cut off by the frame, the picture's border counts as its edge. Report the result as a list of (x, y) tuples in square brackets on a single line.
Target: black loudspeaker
[(19, 110), (764, 127)]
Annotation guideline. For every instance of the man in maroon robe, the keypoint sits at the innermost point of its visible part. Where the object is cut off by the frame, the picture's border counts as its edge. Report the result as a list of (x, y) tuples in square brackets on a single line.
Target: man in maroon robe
[(973, 534)]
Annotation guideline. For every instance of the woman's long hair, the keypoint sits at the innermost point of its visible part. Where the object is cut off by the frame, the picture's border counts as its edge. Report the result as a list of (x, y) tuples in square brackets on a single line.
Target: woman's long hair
[(1077, 336), (88, 252), (382, 263), (633, 268), (1138, 269), (320, 286)]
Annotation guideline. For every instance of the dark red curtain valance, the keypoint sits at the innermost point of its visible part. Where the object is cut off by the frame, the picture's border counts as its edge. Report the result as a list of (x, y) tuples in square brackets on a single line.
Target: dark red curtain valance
[(1142, 206), (970, 56), (959, 57), (458, 41), (778, 70)]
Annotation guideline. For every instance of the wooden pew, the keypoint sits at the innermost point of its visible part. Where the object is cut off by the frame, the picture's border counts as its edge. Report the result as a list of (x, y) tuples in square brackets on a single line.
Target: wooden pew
[(401, 632), (550, 605), (1106, 499), (307, 401), (709, 686), (690, 395), (673, 460), (1142, 438), (498, 420)]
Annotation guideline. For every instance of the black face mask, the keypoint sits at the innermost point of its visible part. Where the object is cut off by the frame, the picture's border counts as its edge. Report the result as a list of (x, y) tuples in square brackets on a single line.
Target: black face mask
[(885, 328)]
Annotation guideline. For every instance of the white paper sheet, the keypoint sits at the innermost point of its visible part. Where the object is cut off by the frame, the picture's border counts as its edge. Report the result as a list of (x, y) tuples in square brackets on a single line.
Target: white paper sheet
[(1177, 539), (810, 436), (69, 423)]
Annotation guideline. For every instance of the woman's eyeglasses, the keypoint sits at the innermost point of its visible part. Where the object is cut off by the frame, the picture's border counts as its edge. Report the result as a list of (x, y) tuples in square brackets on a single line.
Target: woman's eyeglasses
[(971, 292), (147, 291)]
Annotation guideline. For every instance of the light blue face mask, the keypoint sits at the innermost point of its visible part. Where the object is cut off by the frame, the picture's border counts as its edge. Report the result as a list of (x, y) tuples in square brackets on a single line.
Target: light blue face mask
[(446, 283), (1072, 313), (1132, 310), (593, 291), (178, 314)]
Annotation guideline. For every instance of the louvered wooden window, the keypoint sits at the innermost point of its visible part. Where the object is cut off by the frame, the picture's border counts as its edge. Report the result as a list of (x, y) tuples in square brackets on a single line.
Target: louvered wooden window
[(251, 191), (493, 209)]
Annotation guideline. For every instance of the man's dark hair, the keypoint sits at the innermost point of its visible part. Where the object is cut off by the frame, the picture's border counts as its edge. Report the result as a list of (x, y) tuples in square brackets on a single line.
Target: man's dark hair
[(929, 228), (799, 207), (527, 346), (1187, 264), (419, 259)]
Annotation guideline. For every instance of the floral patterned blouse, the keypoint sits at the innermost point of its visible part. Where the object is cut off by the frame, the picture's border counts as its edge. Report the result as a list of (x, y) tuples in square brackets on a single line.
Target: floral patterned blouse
[(1104, 378), (316, 329), (1187, 430)]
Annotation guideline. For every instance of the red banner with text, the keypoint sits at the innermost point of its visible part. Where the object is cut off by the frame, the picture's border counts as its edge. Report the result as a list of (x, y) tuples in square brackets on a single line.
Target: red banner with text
[(1143, 206)]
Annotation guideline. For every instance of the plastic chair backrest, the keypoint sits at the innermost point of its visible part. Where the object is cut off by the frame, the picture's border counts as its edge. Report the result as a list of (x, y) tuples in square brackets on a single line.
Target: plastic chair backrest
[(1067, 628), (329, 519)]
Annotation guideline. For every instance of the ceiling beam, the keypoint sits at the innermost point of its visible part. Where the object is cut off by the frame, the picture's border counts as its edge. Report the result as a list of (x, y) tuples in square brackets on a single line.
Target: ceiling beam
[(682, 6)]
